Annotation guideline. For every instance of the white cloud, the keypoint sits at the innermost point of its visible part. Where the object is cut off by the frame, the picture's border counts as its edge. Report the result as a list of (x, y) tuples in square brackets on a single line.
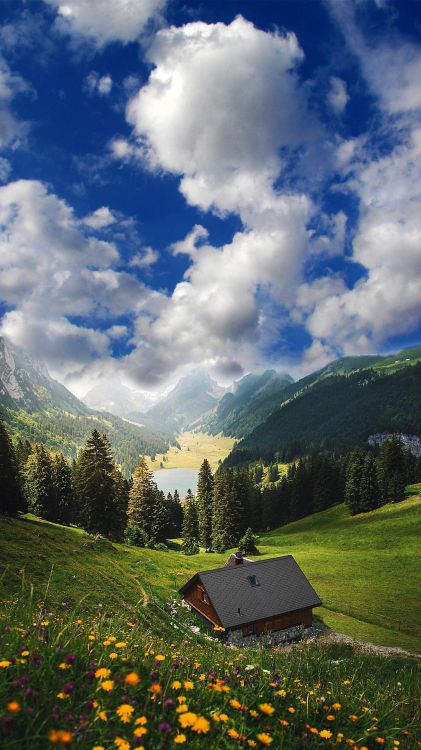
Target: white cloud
[(100, 218), (147, 257), (105, 21), (338, 96), (96, 84), (12, 131)]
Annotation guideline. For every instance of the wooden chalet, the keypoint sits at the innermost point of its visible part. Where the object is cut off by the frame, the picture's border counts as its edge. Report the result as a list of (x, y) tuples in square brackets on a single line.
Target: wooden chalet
[(257, 597)]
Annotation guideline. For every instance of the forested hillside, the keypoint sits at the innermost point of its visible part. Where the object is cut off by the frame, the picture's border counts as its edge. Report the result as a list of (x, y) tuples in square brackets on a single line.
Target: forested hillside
[(336, 413)]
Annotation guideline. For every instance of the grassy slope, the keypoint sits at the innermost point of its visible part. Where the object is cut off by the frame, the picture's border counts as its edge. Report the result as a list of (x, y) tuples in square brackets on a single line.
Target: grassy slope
[(364, 568), (195, 446)]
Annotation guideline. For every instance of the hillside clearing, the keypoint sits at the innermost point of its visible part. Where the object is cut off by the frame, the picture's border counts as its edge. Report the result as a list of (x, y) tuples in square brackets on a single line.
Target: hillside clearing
[(194, 448)]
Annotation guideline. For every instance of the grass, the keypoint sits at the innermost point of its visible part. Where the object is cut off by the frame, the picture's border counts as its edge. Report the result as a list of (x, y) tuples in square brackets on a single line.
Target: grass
[(85, 603), (194, 447)]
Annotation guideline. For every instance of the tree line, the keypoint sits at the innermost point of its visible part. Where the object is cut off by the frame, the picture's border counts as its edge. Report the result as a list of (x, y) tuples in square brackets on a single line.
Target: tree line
[(228, 509)]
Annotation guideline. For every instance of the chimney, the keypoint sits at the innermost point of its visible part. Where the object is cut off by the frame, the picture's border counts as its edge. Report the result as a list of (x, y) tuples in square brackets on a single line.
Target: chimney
[(238, 558)]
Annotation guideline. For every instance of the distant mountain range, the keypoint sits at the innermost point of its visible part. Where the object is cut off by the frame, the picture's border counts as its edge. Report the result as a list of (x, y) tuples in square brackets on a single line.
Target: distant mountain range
[(114, 397), (37, 407)]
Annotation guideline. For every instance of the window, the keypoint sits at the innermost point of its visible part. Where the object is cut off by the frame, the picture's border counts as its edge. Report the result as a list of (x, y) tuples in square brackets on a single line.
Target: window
[(253, 581), (204, 597)]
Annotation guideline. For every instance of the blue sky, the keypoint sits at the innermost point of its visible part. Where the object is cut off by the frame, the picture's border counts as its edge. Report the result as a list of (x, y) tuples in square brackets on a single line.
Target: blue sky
[(232, 185)]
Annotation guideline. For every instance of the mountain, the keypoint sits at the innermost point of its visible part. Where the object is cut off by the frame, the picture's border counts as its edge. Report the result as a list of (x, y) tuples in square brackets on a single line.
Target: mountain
[(337, 411), (37, 407), (114, 397), (193, 396), (249, 402)]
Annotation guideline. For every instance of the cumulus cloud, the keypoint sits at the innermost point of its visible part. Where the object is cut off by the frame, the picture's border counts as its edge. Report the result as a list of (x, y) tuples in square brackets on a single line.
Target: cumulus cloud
[(96, 84), (100, 218), (105, 21), (51, 271), (12, 131), (147, 257), (338, 96)]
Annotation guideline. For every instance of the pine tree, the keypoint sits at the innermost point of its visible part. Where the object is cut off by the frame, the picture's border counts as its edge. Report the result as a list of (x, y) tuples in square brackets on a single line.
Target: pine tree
[(95, 484), (39, 485), (369, 486), (144, 502), (62, 481), (204, 504), (247, 543), (227, 516), (11, 498), (190, 530), (391, 474), (353, 481), (301, 492)]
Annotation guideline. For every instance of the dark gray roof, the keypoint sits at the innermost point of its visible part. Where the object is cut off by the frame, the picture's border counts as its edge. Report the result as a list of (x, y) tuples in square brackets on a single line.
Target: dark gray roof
[(282, 587)]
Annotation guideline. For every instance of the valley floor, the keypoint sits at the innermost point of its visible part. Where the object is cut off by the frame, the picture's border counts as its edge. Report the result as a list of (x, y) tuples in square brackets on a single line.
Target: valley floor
[(194, 447)]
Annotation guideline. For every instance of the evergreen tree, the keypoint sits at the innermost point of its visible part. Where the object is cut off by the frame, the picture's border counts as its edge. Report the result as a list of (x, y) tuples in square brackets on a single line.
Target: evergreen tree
[(325, 482), (95, 485), (227, 517), (23, 450), (190, 530), (177, 513), (145, 503), (391, 470), (301, 492), (354, 472), (11, 497), (369, 486), (39, 485), (247, 543), (118, 510), (62, 481), (204, 504)]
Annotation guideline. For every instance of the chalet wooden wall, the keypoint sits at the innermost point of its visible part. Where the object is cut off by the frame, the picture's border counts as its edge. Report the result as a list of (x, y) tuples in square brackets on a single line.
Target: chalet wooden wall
[(194, 597), (300, 617)]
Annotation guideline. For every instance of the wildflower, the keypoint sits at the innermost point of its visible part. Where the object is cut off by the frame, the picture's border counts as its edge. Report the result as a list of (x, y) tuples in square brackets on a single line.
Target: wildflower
[(24, 653), (91, 637), (142, 720), (347, 682), (266, 708), (140, 731), (188, 685), (313, 730), (159, 657), (132, 678), (284, 723), (121, 644), (379, 740), (5, 663), (113, 655), (13, 707), (325, 734), (155, 688), (63, 696), (163, 727), (330, 717), (187, 719), (121, 743), (60, 735), (176, 685), (252, 743), (64, 665), (102, 672), (254, 713), (182, 708), (282, 693), (352, 717), (265, 738), (234, 734), (201, 725), (103, 716), (336, 706), (98, 747), (179, 739), (107, 685), (291, 710), (124, 712), (234, 703)]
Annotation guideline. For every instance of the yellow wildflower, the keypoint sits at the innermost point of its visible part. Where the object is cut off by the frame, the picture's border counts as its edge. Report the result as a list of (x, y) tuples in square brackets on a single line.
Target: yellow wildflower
[(5, 663), (181, 698), (107, 685), (132, 678), (13, 707), (63, 696), (325, 734), (124, 712), (103, 716), (142, 720), (330, 717), (179, 739), (347, 682), (182, 708), (25, 653), (234, 703), (283, 723), (60, 735), (352, 717), (254, 713), (336, 706), (121, 743), (113, 655), (188, 685), (102, 672), (176, 685), (159, 657), (282, 693), (379, 740), (155, 688), (201, 725), (121, 644), (264, 738), (267, 708), (234, 734), (64, 665), (252, 743), (98, 747), (291, 710), (313, 730), (187, 719), (140, 731)]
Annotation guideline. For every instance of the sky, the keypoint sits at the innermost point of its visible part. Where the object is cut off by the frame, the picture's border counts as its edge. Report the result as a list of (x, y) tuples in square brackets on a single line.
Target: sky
[(231, 185)]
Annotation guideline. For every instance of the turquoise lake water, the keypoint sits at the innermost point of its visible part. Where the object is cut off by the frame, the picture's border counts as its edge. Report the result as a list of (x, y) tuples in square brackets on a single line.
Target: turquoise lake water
[(182, 480)]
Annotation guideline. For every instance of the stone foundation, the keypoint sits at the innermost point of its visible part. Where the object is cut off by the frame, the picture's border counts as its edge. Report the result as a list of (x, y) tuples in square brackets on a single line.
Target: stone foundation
[(275, 637)]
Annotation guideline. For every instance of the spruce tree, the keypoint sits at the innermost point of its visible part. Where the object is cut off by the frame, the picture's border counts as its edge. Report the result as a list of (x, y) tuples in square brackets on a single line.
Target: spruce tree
[(39, 485), (62, 481), (247, 543), (369, 486), (353, 481), (391, 465), (227, 516), (204, 504), (301, 492), (11, 498), (95, 480), (190, 532), (144, 501)]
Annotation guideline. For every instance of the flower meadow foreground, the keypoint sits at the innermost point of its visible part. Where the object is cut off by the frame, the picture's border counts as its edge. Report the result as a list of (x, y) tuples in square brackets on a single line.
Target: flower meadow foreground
[(98, 684)]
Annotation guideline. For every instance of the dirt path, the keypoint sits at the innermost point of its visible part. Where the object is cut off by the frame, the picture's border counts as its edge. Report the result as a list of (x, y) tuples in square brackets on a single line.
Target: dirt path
[(330, 636)]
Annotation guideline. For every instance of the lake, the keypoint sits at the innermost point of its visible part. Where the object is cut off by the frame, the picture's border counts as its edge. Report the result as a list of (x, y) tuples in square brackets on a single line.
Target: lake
[(182, 480)]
